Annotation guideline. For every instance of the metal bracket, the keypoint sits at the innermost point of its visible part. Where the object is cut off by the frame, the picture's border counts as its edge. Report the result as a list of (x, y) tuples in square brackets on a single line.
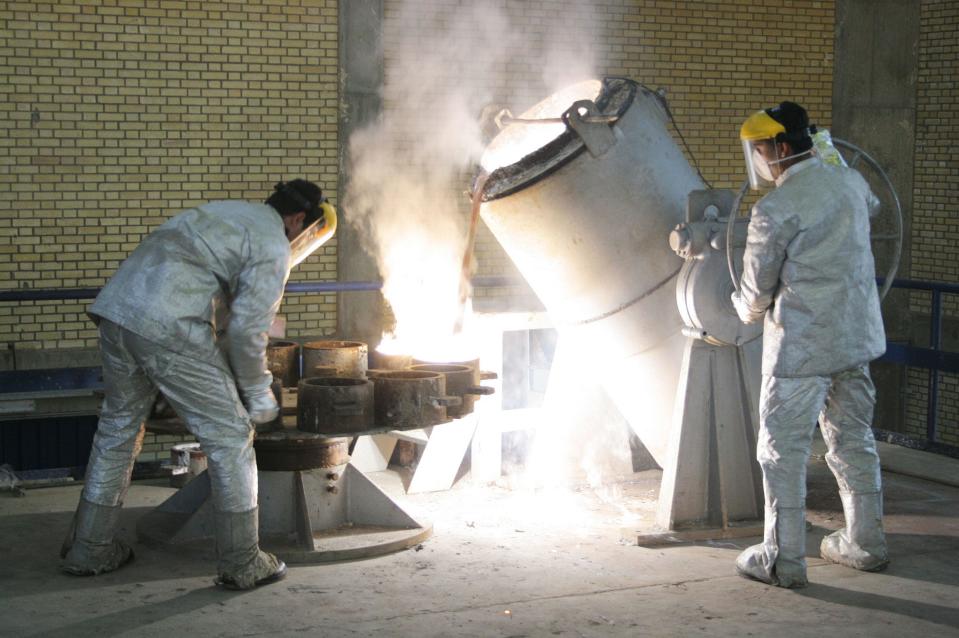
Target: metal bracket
[(712, 203), (598, 136)]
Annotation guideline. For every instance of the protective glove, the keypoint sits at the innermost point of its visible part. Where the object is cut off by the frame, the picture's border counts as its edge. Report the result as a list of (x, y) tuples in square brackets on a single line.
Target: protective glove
[(741, 309), (261, 405)]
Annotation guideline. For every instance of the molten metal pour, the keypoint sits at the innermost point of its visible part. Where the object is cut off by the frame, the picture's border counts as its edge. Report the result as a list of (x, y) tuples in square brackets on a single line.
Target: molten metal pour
[(465, 288)]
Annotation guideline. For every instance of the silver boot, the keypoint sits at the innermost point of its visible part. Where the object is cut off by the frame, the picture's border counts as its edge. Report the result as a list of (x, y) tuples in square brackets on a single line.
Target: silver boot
[(240, 562), (91, 546), (780, 559), (862, 543)]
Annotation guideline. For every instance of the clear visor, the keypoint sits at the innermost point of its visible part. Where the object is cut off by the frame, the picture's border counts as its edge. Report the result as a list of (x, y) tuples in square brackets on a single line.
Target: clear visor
[(314, 235), (757, 168)]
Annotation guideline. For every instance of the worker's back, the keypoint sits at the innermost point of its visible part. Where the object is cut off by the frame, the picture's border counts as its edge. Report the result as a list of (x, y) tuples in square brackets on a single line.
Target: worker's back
[(178, 286), (825, 315)]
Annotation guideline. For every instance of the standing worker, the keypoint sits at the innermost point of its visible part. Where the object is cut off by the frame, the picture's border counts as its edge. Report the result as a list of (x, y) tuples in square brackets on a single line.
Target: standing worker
[(808, 268), (187, 314)]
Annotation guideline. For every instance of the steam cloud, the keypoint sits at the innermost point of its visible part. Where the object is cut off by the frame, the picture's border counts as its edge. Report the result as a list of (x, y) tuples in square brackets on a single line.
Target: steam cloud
[(411, 169)]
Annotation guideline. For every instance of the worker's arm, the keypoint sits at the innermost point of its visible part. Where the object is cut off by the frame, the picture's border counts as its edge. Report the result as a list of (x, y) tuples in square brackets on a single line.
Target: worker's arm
[(766, 242), (256, 300)]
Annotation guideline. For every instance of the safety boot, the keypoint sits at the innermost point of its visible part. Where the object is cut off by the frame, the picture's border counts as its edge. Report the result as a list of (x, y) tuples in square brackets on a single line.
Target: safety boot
[(862, 543), (780, 559), (240, 562), (91, 546)]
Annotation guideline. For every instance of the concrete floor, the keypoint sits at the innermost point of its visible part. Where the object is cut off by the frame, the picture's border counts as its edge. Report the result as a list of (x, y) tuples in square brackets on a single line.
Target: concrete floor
[(501, 563)]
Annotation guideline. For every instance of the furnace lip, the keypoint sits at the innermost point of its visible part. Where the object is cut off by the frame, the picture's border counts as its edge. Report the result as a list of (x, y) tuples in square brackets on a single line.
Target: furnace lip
[(615, 97)]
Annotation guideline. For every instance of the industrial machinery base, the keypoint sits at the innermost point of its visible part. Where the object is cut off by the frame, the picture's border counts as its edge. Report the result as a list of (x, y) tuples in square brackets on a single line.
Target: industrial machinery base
[(306, 516)]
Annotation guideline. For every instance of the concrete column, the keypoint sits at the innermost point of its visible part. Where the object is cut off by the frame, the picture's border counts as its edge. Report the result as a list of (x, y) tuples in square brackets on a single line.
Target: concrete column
[(874, 106), (360, 314)]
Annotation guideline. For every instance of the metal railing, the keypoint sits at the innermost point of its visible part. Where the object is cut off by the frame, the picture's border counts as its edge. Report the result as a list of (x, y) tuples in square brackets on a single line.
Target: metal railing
[(934, 359), (48, 294)]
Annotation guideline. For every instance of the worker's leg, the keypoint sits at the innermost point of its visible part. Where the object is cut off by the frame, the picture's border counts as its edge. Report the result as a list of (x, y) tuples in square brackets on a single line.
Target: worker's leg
[(204, 395), (852, 457), (91, 546), (788, 411)]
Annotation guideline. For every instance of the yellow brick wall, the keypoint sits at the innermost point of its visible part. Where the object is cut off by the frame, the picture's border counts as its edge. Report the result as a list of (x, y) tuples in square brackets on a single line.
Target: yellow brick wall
[(117, 114), (719, 61), (935, 215)]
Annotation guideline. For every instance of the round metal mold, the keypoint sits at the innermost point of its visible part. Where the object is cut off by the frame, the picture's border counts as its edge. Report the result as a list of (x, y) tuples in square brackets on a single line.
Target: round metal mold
[(283, 360), (334, 405), (408, 399), (461, 381), (349, 358), (293, 450), (383, 361), (470, 363), (478, 375)]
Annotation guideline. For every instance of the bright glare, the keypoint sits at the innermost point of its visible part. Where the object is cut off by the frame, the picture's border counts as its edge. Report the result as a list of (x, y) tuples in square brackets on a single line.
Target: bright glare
[(440, 348), (421, 283), (580, 439)]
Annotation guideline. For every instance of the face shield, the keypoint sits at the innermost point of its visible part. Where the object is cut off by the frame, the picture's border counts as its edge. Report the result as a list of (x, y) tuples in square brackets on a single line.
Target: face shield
[(314, 235), (758, 135), (758, 168)]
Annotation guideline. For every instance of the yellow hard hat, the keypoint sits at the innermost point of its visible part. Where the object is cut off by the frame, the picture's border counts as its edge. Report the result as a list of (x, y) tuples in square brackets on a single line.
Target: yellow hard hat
[(760, 126)]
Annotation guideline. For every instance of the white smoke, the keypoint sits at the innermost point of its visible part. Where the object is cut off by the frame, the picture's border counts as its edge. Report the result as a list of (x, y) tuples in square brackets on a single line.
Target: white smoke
[(411, 170)]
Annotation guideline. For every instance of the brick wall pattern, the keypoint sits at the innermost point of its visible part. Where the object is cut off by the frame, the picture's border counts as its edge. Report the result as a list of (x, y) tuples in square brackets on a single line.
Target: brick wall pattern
[(117, 114), (935, 217)]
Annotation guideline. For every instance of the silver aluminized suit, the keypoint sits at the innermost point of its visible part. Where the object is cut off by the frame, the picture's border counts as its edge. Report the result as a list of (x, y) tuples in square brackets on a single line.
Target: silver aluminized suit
[(808, 268), (188, 313)]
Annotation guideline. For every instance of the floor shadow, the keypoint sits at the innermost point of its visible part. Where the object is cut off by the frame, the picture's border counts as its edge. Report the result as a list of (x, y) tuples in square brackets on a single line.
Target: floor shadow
[(927, 612), (137, 618), (30, 555), (925, 558)]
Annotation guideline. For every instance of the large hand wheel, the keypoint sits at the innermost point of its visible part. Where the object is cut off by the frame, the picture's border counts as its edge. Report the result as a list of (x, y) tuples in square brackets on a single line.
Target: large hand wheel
[(885, 226)]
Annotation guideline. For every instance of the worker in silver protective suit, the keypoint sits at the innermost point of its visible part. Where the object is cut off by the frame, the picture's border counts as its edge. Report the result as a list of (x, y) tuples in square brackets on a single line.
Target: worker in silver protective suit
[(187, 314), (808, 269)]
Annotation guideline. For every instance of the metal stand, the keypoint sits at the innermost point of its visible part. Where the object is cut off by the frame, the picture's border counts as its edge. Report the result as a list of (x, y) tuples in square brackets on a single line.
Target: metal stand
[(313, 506), (444, 447), (306, 516), (712, 482)]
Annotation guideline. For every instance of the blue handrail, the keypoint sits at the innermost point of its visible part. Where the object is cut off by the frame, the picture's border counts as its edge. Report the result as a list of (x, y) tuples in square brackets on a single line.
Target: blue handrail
[(47, 294), (933, 358)]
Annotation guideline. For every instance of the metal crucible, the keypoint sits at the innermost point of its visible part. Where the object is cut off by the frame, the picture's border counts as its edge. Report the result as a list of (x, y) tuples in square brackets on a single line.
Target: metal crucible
[(349, 358), (383, 361), (283, 360), (408, 399), (293, 450), (334, 405), (461, 381)]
